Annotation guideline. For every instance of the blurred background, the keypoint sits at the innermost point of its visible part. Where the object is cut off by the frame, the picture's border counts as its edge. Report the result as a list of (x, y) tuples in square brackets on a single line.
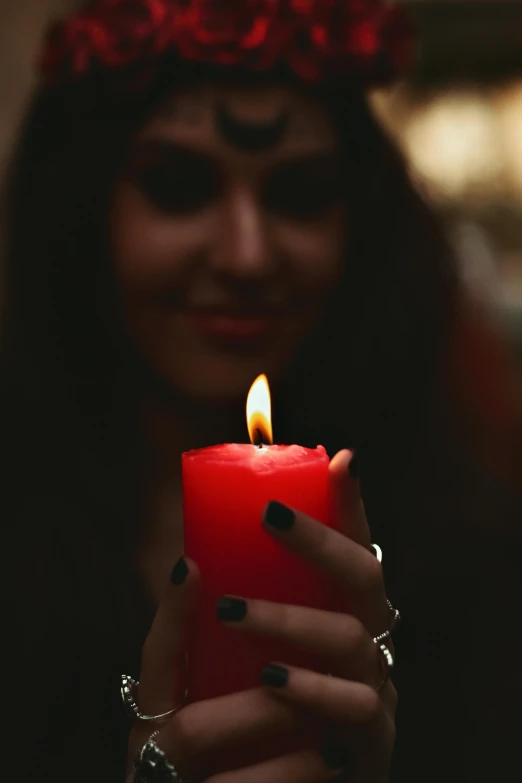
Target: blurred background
[(458, 120)]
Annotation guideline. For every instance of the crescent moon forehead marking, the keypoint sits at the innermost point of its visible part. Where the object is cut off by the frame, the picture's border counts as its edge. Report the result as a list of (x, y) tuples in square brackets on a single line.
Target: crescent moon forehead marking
[(247, 135)]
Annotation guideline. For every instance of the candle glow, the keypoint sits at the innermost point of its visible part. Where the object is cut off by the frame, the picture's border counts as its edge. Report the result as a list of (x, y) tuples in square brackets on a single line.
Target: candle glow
[(259, 413), (226, 489)]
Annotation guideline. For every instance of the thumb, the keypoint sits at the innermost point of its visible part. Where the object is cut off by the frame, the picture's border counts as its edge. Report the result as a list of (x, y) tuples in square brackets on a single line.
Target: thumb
[(348, 506), (163, 670)]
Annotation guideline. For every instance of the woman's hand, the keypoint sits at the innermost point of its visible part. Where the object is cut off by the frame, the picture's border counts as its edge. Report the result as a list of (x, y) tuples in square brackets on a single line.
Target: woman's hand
[(361, 713), (361, 720), (195, 734)]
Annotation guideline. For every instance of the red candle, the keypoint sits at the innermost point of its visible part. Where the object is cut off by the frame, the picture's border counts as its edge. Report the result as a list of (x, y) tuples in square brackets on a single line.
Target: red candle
[(226, 489)]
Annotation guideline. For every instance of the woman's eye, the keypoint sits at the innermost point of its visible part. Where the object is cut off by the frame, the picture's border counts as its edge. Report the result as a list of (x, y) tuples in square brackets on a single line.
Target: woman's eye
[(179, 189)]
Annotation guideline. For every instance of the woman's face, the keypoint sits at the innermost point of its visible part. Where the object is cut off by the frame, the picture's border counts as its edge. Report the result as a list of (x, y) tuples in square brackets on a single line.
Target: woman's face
[(227, 232)]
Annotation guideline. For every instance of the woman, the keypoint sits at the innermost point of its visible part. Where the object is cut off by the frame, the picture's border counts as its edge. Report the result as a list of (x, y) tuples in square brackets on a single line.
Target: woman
[(201, 195)]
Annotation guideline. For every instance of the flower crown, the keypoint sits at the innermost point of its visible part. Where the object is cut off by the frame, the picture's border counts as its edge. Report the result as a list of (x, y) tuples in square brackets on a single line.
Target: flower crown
[(366, 40)]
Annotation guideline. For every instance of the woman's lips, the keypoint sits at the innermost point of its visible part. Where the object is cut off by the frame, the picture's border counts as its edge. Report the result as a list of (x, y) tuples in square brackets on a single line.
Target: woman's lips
[(233, 326)]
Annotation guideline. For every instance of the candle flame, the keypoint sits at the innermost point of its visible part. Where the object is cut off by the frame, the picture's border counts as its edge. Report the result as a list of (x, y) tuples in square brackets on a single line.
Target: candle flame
[(259, 412)]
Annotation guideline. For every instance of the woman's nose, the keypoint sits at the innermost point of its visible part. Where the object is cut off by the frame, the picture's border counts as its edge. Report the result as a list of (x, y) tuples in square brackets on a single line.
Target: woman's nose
[(242, 244)]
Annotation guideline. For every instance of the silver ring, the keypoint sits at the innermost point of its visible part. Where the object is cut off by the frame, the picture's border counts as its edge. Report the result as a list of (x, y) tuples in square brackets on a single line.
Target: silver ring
[(153, 766), (395, 612), (383, 637), (128, 687), (387, 662), (396, 615), (377, 551)]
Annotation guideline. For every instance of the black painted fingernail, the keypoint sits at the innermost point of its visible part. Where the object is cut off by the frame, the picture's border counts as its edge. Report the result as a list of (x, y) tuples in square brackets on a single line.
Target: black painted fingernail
[(353, 467), (278, 516), (337, 757), (179, 572), (231, 610), (275, 676)]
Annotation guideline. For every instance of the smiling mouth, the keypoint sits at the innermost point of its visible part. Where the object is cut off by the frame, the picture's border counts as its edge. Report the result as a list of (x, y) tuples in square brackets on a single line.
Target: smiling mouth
[(234, 326)]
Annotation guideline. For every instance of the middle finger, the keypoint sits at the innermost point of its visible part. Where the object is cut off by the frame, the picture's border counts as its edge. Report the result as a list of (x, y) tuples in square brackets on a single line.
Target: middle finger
[(341, 638)]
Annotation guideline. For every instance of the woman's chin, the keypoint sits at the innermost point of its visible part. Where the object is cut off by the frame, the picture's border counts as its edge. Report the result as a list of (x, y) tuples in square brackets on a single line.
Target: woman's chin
[(220, 384), (207, 371)]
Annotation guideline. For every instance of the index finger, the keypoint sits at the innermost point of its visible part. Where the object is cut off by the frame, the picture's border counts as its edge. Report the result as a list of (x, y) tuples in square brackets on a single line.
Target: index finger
[(163, 671)]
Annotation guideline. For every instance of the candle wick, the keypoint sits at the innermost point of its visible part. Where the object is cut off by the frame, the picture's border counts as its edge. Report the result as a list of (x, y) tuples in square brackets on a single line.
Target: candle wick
[(259, 439)]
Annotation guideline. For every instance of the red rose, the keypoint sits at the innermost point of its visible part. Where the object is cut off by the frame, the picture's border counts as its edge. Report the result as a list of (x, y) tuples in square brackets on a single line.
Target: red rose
[(231, 33), (303, 7), (332, 25), (311, 39), (314, 37), (138, 28), (362, 39), (336, 33), (72, 48)]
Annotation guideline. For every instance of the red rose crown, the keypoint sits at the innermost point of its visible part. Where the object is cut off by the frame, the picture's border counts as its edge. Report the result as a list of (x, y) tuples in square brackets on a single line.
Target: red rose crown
[(366, 39)]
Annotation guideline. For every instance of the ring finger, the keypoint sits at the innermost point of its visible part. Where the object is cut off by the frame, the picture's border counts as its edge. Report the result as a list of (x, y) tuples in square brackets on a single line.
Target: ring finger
[(357, 717)]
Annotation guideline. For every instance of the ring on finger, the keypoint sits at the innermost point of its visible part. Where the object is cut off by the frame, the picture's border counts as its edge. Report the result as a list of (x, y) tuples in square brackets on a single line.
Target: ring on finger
[(377, 551), (384, 637), (395, 615), (153, 766), (128, 689), (386, 660)]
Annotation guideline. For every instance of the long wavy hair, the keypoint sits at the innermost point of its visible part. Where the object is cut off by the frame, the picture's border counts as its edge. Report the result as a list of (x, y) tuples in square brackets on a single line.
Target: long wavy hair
[(403, 367), (379, 362)]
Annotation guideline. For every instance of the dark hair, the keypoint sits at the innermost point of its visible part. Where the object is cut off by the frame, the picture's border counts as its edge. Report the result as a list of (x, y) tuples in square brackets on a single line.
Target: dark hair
[(386, 372), (377, 356)]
